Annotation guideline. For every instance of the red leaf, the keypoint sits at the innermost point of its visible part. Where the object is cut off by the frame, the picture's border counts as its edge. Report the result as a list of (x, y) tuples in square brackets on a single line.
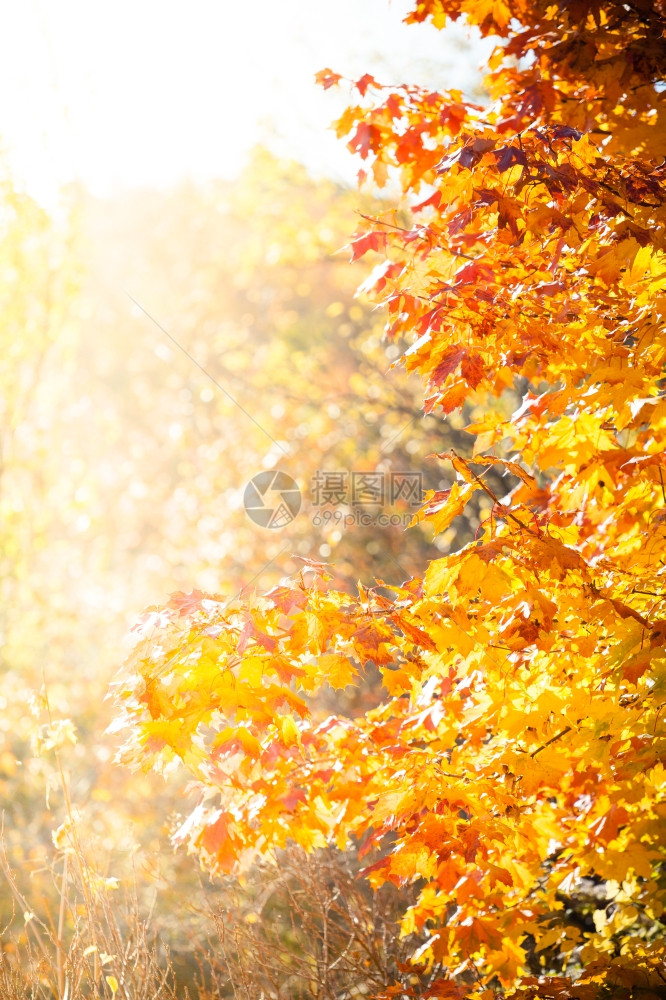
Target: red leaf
[(369, 241), (474, 273), (565, 132), (366, 139), (434, 200), (449, 362), (366, 81), (216, 839), (606, 827), (453, 397), (507, 156), (472, 370), (292, 798), (413, 632)]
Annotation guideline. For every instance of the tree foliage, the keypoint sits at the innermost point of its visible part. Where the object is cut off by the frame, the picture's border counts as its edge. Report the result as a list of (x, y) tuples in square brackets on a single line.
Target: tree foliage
[(514, 771)]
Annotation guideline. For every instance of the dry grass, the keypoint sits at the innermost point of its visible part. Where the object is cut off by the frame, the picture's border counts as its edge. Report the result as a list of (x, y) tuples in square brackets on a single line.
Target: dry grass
[(96, 945), (303, 928), (306, 928)]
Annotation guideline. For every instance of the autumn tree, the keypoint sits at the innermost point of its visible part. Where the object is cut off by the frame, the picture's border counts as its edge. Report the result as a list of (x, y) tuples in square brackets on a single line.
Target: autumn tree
[(514, 772)]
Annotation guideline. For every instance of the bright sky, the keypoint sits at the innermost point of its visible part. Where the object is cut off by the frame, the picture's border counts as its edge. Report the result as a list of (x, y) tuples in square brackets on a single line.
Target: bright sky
[(149, 91)]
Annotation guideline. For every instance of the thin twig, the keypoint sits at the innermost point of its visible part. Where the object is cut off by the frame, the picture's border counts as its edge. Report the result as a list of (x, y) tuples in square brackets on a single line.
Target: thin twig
[(558, 736)]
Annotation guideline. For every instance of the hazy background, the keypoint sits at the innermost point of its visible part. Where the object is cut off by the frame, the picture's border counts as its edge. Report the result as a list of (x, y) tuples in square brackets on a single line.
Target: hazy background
[(148, 93)]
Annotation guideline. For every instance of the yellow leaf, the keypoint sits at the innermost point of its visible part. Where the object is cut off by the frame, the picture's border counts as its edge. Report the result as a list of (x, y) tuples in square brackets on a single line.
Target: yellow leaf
[(441, 577), (289, 733), (337, 670), (443, 506)]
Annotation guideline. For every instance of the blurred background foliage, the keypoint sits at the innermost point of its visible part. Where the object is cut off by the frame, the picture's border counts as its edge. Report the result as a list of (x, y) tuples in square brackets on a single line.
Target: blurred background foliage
[(132, 328)]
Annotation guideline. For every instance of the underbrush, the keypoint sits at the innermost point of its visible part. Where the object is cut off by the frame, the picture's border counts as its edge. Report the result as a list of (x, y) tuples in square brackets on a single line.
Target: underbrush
[(303, 927)]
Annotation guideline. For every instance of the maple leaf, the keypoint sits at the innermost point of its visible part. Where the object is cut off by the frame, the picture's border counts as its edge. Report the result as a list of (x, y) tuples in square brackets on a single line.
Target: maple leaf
[(337, 669), (447, 364), (418, 635), (327, 78), (451, 398), (368, 241), (472, 370), (186, 604), (366, 139), (444, 505), (507, 156), (366, 81), (216, 840), (513, 467)]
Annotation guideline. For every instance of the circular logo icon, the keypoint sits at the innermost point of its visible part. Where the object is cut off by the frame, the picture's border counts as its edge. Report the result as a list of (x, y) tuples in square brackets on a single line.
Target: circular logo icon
[(272, 499)]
